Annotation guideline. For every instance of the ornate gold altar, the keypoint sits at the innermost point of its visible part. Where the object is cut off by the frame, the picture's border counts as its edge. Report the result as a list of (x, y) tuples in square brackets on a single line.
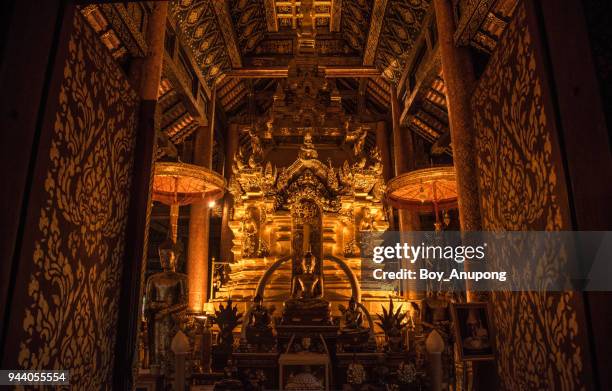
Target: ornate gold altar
[(317, 200)]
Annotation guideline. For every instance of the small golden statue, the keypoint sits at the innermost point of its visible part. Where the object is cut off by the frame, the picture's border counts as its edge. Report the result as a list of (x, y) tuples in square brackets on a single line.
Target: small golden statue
[(250, 229), (307, 150)]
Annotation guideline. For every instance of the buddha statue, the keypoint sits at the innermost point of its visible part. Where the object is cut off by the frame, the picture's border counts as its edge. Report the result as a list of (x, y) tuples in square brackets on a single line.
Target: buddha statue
[(166, 294), (353, 335), (352, 316), (306, 302), (259, 327)]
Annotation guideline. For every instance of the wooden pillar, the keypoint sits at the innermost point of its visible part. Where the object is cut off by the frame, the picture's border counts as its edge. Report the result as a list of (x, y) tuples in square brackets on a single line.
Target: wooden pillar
[(382, 142), (231, 147), (199, 230), (403, 156), (198, 278), (146, 75), (459, 80), (400, 151)]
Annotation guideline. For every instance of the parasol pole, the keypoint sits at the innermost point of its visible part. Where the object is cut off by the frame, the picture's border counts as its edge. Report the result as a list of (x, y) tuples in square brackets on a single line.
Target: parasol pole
[(174, 213)]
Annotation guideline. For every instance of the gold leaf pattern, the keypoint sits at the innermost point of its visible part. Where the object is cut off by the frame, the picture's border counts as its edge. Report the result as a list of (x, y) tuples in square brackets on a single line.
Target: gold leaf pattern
[(70, 322), (537, 332)]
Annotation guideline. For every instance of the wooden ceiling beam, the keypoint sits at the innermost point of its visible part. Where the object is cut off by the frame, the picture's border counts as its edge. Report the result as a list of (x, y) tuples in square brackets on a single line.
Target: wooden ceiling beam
[(336, 16), (259, 73), (283, 72), (226, 26), (376, 22), (271, 21), (342, 71)]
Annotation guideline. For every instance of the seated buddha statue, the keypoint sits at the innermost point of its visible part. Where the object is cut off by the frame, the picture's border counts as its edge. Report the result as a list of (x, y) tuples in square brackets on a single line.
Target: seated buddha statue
[(259, 328), (306, 302), (352, 333)]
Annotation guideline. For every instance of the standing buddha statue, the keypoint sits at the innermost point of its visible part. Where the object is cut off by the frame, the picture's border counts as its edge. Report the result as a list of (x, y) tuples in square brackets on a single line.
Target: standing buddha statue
[(166, 294)]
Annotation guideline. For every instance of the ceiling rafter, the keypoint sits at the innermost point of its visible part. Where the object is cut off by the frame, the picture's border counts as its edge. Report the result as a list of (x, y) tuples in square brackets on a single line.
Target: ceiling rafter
[(224, 19), (376, 22), (336, 16), (403, 22), (271, 21)]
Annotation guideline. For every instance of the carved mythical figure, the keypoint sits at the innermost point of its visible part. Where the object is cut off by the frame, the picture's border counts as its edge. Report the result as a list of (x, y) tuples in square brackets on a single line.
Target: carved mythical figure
[(376, 159), (238, 161), (250, 230), (165, 295), (367, 221), (307, 150), (257, 151), (227, 318)]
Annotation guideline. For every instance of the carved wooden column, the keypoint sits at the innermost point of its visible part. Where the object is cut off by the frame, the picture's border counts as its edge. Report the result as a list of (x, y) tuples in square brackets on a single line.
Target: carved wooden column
[(145, 75), (400, 151), (382, 142), (231, 147), (403, 156), (459, 81), (199, 229)]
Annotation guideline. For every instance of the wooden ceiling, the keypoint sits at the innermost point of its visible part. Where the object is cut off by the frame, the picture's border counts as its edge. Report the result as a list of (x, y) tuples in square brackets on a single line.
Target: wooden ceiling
[(212, 44), (235, 34)]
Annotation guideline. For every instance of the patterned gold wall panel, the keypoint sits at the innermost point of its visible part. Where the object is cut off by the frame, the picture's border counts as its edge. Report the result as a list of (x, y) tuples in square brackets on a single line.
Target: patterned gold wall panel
[(70, 311), (522, 187)]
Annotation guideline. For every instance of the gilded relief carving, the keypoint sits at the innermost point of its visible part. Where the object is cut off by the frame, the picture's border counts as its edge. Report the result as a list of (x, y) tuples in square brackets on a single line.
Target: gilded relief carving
[(355, 15), (196, 20), (402, 24), (249, 19), (521, 189), (70, 321)]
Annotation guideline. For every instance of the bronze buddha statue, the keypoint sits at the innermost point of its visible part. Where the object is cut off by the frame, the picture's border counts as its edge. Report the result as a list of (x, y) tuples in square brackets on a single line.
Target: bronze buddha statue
[(166, 294), (352, 334), (259, 328), (306, 302)]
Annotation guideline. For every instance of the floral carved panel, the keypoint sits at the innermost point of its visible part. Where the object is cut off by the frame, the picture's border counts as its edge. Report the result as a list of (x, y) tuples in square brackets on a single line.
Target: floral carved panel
[(539, 334), (70, 311)]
